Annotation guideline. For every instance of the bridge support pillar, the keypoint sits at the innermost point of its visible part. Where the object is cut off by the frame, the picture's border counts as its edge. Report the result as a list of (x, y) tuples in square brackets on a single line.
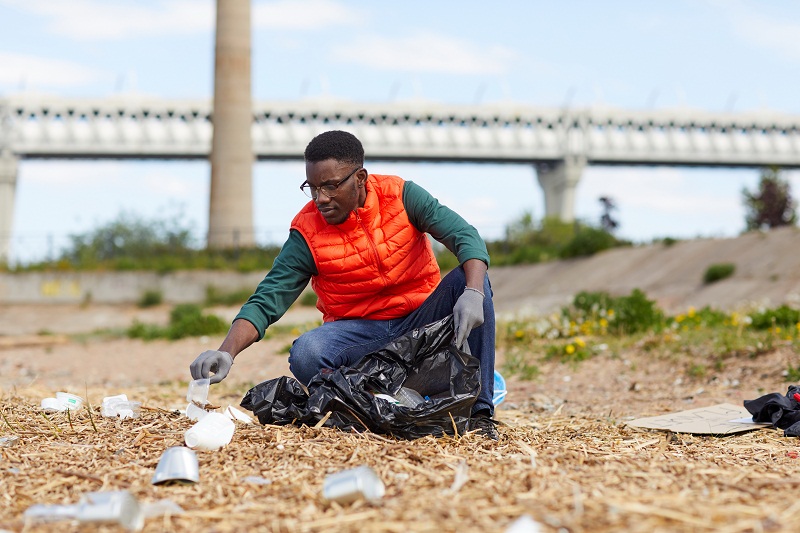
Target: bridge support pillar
[(230, 220), (8, 186), (558, 180)]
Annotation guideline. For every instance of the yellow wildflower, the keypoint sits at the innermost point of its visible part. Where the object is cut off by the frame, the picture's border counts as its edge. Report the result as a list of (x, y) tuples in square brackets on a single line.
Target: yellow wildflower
[(570, 349), (580, 342), (691, 312)]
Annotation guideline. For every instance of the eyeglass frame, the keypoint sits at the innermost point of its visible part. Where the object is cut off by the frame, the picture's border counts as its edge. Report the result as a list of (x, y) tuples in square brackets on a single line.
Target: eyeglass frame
[(319, 189)]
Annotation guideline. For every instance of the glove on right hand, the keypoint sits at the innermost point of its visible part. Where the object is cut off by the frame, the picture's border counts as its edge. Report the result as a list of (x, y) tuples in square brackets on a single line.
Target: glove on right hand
[(211, 361)]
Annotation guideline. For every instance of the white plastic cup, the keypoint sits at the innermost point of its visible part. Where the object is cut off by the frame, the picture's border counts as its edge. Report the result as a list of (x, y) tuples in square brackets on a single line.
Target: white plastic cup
[(212, 432), (109, 406), (70, 401), (350, 485), (53, 405), (198, 391), (195, 413)]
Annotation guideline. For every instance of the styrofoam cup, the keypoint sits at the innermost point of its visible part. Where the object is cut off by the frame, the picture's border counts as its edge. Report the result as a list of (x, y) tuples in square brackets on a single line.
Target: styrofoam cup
[(53, 405), (70, 401)]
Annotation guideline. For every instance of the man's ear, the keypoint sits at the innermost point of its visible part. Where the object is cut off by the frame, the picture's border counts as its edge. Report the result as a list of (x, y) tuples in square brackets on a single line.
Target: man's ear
[(361, 177)]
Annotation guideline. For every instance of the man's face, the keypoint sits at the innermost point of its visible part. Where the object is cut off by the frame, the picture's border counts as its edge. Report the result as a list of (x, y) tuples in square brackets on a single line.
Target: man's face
[(349, 196)]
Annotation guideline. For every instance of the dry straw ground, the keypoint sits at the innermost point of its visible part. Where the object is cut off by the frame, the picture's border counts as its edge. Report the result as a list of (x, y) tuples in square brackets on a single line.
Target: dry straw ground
[(565, 456)]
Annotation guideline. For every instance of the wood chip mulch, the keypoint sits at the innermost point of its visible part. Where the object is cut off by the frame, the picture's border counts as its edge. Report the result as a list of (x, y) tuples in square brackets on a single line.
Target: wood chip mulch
[(566, 472)]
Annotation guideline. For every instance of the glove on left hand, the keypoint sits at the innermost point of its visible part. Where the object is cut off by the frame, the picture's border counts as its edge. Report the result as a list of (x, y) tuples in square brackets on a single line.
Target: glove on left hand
[(467, 314)]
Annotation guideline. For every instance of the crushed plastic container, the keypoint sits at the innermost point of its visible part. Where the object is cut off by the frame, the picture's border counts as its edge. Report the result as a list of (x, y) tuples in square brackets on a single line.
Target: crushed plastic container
[(212, 432), (499, 389), (350, 485), (120, 406), (117, 507)]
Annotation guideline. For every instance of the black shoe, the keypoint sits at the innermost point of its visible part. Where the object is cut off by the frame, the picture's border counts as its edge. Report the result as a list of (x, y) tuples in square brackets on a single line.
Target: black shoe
[(485, 425)]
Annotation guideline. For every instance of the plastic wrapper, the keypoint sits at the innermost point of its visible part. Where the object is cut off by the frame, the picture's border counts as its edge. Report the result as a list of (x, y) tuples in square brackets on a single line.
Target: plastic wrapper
[(424, 360)]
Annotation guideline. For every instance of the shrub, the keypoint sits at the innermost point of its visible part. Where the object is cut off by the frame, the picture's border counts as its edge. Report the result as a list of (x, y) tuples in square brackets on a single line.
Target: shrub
[(718, 271), (216, 297), (308, 299), (151, 298), (635, 313), (621, 315), (783, 316), (588, 241), (186, 320)]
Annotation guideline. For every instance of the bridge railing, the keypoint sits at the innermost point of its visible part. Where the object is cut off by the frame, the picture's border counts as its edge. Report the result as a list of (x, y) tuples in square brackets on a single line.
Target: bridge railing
[(44, 127)]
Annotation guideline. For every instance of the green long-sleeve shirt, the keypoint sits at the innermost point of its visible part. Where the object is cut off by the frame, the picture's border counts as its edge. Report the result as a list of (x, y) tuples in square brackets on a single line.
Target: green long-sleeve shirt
[(295, 265)]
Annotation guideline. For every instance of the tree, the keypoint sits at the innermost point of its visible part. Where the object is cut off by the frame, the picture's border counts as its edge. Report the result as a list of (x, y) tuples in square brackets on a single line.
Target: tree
[(607, 222), (771, 205)]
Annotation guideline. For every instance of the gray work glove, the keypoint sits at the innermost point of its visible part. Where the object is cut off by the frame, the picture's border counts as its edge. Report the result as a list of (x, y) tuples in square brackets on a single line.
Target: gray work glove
[(211, 361), (467, 314)]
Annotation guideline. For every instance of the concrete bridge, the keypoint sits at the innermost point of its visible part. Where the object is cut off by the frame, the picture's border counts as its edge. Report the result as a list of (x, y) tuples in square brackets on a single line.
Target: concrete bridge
[(558, 143)]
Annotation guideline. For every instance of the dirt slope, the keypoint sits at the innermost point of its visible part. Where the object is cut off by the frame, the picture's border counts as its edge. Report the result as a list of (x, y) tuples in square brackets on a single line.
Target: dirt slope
[(767, 272)]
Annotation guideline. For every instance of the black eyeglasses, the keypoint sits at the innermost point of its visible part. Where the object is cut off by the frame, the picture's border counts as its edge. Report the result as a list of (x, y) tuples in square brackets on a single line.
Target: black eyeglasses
[(329, 189)]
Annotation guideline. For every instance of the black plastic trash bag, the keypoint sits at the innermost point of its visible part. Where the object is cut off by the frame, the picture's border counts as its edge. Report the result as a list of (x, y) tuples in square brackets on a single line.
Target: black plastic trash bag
[(781, 411), (424, 360)]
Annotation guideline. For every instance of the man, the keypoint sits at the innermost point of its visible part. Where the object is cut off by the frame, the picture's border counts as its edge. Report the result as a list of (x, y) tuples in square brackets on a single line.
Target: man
[(361, 241)]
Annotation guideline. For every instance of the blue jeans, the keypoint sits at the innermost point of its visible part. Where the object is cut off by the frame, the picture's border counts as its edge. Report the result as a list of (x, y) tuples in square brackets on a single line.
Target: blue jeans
[(346, 342)]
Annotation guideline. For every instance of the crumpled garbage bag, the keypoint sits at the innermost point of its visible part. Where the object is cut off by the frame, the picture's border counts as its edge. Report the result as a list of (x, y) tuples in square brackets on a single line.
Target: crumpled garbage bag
[(781, 411), (424, 360)]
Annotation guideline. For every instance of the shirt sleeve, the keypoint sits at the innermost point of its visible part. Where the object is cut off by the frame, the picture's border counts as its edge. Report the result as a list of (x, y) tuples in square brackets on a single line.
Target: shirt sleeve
[(282, 285), (445, 225)]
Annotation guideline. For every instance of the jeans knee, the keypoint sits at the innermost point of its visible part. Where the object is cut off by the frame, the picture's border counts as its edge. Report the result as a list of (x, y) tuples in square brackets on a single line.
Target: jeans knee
[(307, 357)]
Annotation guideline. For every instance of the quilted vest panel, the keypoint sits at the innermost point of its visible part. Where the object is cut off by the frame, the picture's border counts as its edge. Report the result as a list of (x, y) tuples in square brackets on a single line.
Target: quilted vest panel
[(374, 265)]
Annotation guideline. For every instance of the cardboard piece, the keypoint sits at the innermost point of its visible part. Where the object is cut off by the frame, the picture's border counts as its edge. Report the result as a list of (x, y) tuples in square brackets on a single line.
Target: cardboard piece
[(722, 419)]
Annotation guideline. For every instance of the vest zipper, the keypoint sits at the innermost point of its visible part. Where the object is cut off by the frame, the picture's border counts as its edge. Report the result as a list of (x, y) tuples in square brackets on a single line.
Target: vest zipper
[(373, 247)]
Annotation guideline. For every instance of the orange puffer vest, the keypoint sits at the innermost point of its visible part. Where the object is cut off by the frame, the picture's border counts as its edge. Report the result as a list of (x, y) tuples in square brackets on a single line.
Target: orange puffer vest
[(376, 264)]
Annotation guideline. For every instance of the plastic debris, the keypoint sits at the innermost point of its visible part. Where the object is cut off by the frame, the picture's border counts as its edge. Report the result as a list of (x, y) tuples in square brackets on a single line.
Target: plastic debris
[(350, 485), (8, 442), (257, 480), (161, 508), (211, 433), (119, 406), (198, 392), (117, 507), (195, 413), (62, 402), (524, 524), (177, 464), (237, 415), (500, 390)]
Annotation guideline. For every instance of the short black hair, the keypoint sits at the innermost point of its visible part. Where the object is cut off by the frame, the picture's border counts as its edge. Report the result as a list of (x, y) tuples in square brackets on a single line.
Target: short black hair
[(336, 144)]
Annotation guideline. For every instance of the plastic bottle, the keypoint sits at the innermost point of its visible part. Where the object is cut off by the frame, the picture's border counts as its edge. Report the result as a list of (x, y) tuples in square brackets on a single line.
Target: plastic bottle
[(409, 397), (212, 432)]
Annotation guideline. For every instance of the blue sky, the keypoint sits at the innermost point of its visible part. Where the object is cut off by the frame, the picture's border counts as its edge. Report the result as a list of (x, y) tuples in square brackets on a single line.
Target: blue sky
[(700, 54)]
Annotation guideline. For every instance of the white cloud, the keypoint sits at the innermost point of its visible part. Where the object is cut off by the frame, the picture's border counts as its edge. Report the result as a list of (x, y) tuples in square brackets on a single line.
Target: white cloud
[(27, 70), (426, 52), (303, 14), (99, 20), (93, 20), (657, 189), (754, 26)]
